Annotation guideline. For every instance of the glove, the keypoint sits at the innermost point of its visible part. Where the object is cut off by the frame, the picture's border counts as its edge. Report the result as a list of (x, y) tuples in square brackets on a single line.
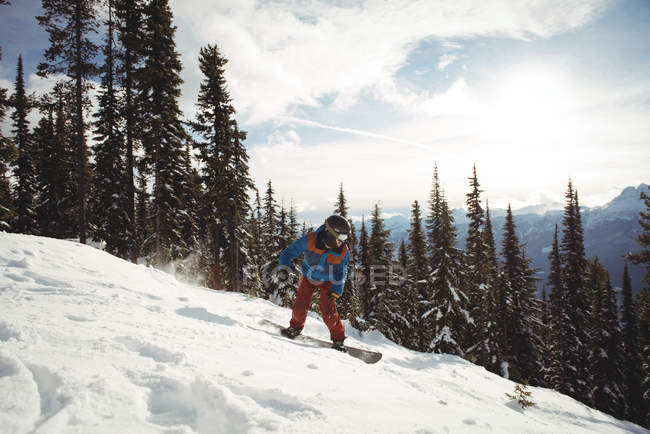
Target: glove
[(283, 275), (333, 295)]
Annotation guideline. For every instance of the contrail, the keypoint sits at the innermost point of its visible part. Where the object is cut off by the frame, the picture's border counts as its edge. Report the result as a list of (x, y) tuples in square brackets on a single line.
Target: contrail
[(350, 131)]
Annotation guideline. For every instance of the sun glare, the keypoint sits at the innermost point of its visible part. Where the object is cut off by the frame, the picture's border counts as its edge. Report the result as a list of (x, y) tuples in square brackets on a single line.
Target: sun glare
[(531, 104)]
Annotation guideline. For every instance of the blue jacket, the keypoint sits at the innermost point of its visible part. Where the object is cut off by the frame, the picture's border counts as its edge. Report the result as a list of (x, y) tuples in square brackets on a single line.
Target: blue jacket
[(321, 265)]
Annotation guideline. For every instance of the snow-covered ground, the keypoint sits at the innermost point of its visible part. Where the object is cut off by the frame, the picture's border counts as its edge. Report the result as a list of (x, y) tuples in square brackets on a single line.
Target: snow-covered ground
[(90, 343)]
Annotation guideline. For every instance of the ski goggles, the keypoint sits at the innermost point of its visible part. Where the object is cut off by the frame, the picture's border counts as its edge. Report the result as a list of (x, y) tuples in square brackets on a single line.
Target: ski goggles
[(340, 237)]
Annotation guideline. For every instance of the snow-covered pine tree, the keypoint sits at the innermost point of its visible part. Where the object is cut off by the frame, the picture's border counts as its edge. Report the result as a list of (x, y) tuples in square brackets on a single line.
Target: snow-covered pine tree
[(108, 202), (225, 172), (446, 313), (270, 245), (284, 292), (476, 257), (574, 269), (129, 23), (164, 136), (238, 187), (72, 51), (521, 349), (632, 364), (380, 253), (555, 370), (418, 272), (488, 350), (362, 275), (293, 223), (605, 356), (25, 221), (253, 275), (55, 163), (8, 154), (643, 305), (348, 305)]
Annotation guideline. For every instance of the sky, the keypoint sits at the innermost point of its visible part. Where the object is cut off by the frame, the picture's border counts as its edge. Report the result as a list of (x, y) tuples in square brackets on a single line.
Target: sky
[(373, 94)]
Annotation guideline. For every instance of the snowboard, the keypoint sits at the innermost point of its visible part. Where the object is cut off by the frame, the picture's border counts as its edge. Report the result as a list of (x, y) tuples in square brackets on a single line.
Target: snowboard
[(367, 356)]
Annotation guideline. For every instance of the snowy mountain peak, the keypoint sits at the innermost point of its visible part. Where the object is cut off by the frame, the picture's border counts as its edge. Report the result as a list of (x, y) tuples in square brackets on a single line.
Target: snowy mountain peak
[(91, 343), (629, 199)]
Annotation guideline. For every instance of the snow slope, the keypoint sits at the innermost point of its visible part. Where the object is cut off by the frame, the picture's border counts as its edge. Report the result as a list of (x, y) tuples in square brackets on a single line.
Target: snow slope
[(90, 343)]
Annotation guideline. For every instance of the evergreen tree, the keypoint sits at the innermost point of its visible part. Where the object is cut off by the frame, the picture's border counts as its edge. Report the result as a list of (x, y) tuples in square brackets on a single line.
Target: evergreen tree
[(253, 277), (445, 319), (476, 255), (70, 25), (521, 345), (129, 22), (270, 251), (643, 306), (26, 188), (109, 200), (58, 198), (164, 137), (574, 268), (225, 170), (488, 350), (293, 223), (605, 356), (418, 271), (379, 252), (556, 370), (348, 305), (8, 154), (238, 198), (632, 373), (362, 277)]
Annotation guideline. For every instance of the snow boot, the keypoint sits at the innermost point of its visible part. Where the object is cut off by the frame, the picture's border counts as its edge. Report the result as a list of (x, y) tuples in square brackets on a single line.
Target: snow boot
[(290, 332), (339, 346)]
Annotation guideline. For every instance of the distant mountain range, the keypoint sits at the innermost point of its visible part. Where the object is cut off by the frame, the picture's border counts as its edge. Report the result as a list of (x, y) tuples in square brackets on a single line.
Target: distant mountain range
[(610, 231)]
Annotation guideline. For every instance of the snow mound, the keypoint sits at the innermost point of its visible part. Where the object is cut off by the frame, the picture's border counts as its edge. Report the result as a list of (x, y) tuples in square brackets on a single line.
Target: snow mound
[(92, 343)]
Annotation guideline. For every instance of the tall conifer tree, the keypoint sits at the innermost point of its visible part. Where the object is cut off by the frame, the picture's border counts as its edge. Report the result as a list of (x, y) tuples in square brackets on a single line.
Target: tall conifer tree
[(556, 370), (109, 200), (477, 271), (643, 306), (8, 154), (70, 25), (164, 136), (362, 277), (380, 252), (632, 364), (225, 170), (25, 171), (488, 351), (574, 269), (521, 348), (445, 318), (349, 304), (605, 357), (418, 272), (129, 23), (57, 209)]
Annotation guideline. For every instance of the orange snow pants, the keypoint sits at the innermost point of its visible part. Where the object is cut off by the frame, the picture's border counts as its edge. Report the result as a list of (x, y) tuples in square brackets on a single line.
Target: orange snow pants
[(302, 302)]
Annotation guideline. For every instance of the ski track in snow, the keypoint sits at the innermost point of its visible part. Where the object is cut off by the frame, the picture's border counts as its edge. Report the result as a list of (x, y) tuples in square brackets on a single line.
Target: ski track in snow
[(90, 343)]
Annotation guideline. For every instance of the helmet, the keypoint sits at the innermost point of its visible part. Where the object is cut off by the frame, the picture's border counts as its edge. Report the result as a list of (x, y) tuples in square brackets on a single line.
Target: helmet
[(337, 228)]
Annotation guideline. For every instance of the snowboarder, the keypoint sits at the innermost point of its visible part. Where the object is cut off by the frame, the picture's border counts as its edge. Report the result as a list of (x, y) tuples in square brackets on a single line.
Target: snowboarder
[(325, 266)]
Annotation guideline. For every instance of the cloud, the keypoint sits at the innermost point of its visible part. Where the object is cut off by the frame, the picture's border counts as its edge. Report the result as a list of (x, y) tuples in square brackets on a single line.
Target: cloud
[(286, 54), (446, 60)]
